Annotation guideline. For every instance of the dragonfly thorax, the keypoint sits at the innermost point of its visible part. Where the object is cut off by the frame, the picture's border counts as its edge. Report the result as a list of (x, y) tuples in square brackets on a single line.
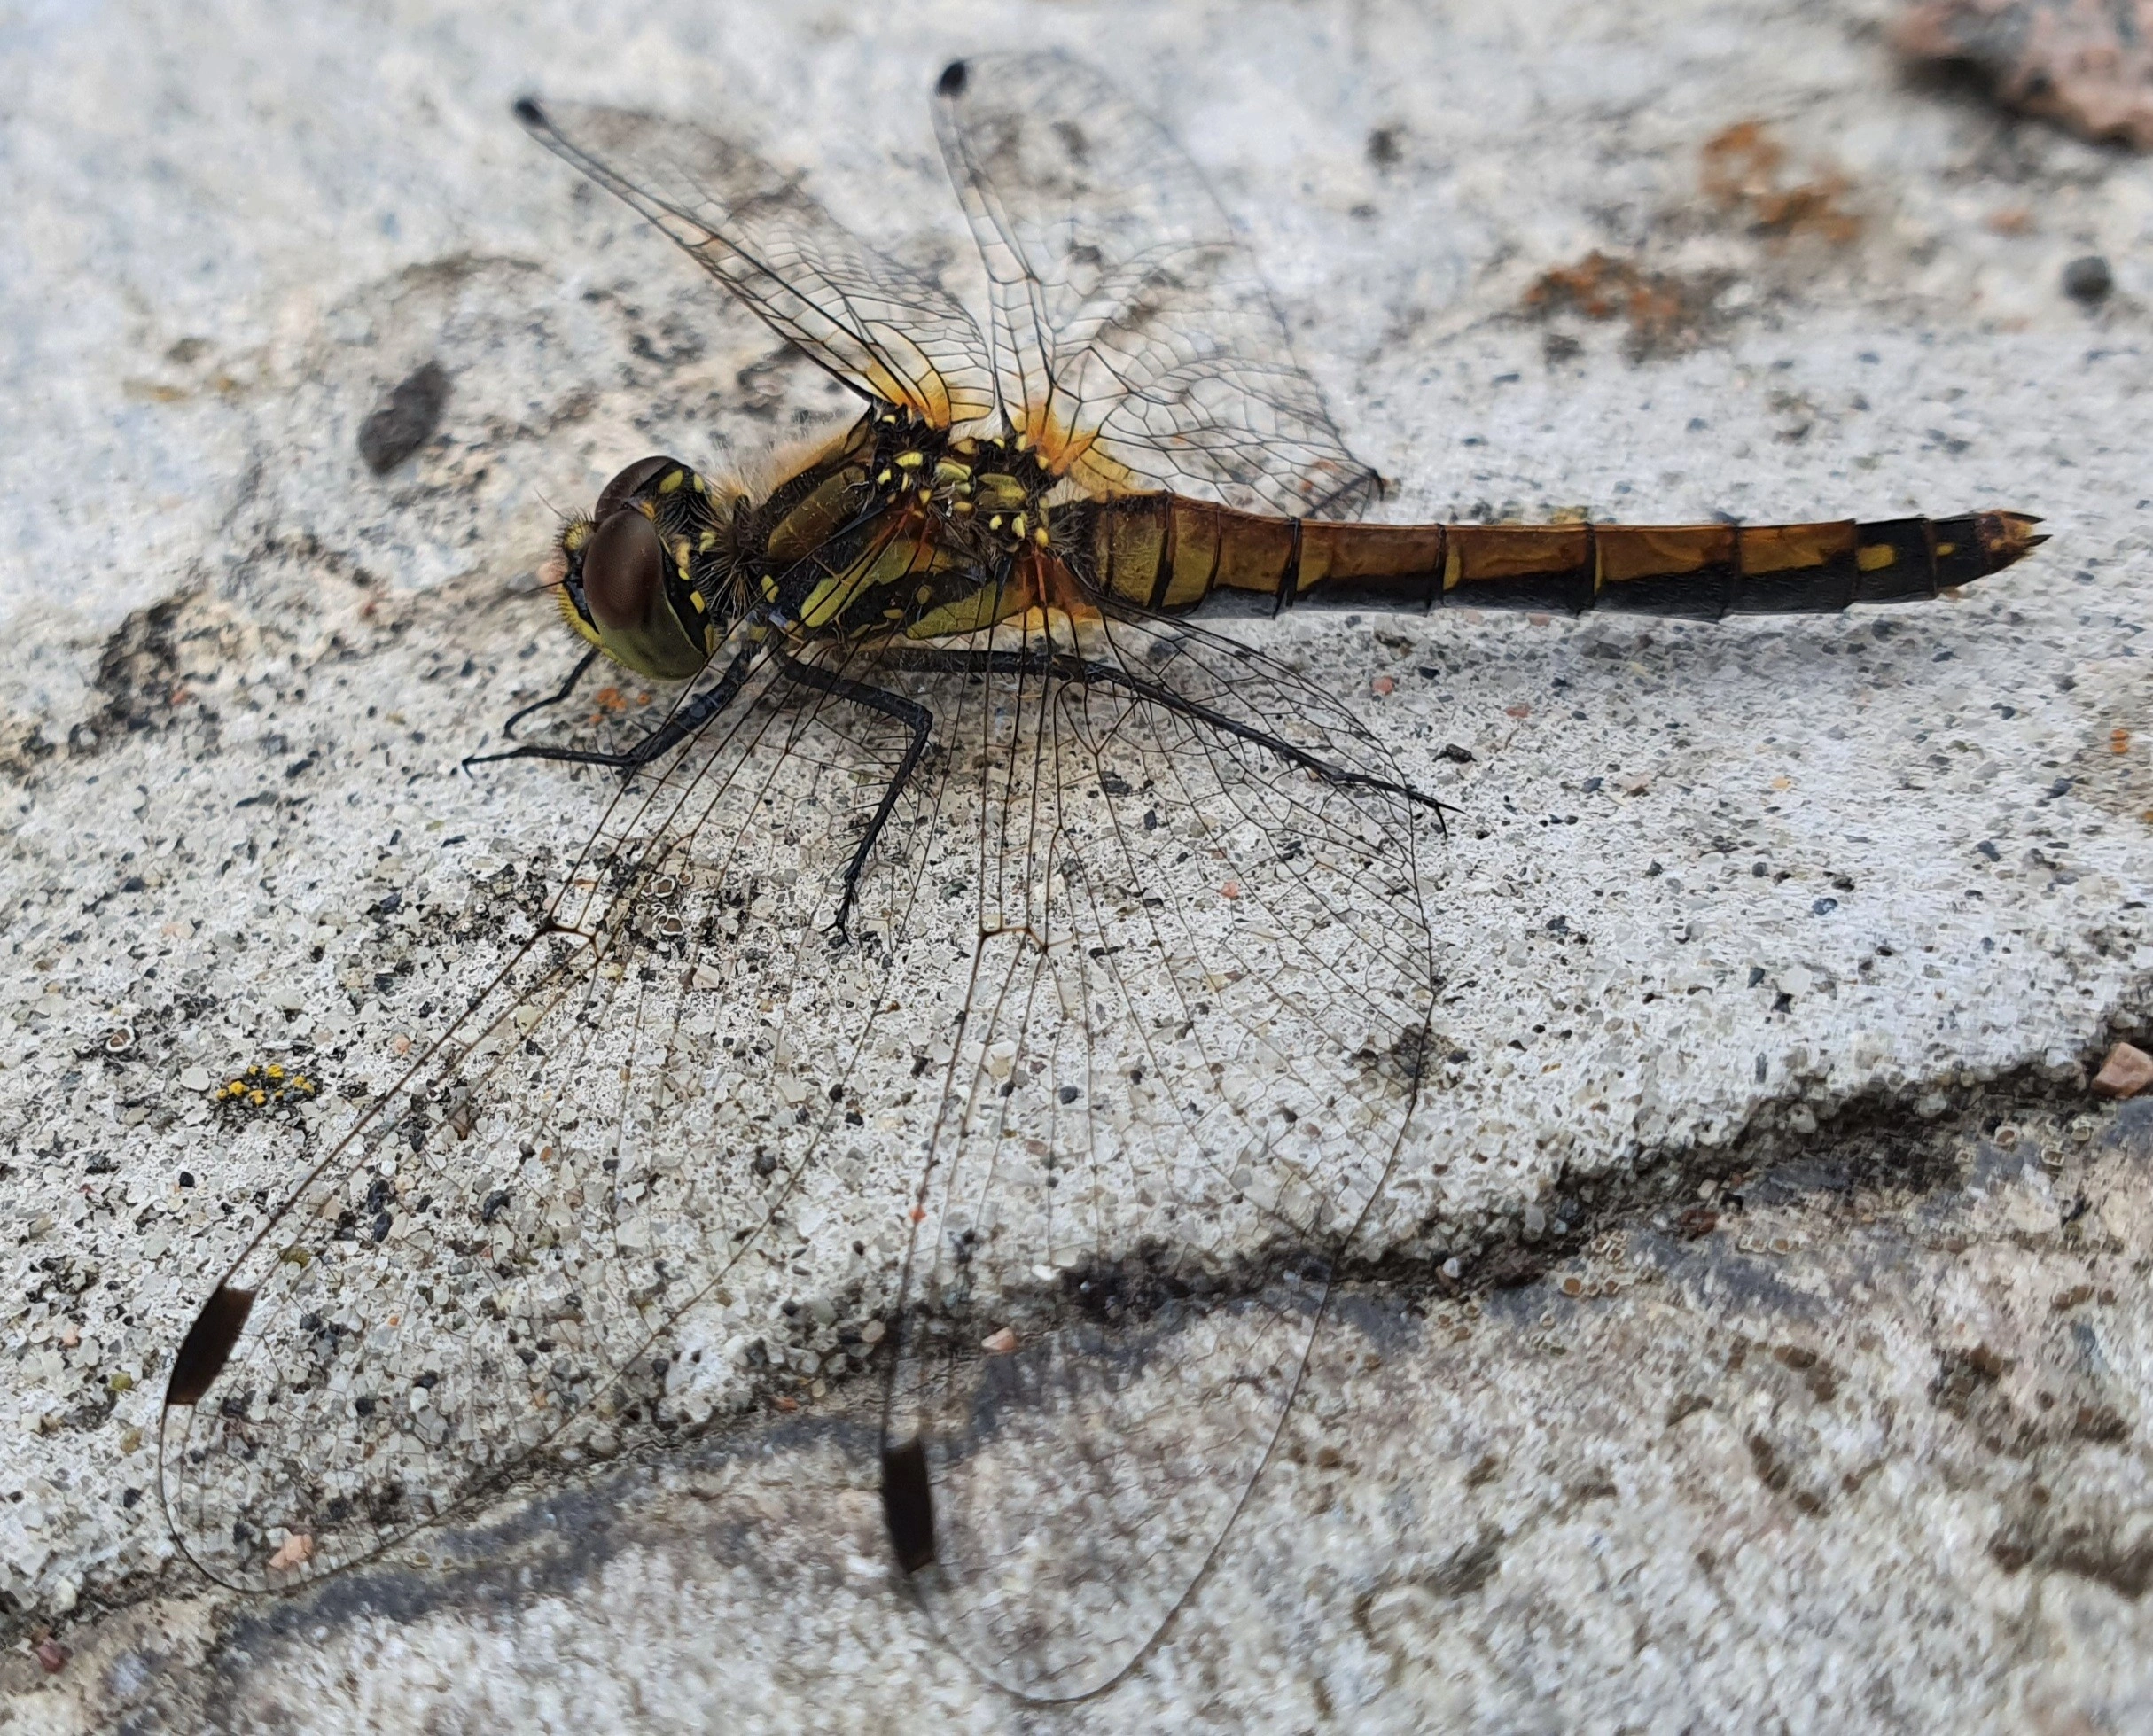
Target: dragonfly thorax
[(898, 525), (994, 486)]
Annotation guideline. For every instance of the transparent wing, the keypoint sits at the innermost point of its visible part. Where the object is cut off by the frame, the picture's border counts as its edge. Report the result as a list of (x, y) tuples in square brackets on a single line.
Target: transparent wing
[(1136, 343), (1189, 1048), (1148, 991), (527, 1248), (888, 331)]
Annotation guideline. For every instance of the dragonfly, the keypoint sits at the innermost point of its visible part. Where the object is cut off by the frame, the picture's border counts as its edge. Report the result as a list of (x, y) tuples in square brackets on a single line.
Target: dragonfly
[(994, 975)]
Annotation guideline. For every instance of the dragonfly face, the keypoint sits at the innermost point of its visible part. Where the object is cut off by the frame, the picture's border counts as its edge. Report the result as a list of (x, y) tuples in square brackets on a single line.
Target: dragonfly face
[(643, 578)]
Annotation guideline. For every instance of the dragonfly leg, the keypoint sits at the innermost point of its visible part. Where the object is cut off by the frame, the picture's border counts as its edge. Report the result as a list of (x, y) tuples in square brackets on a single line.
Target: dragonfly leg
[(508, 729), (1084, 670), (908, 712), (1081, 669), (671, 733)]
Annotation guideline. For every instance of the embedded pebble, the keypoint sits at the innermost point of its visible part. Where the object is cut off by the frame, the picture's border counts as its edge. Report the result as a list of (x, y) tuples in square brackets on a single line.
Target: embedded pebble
[(2128, 1071)]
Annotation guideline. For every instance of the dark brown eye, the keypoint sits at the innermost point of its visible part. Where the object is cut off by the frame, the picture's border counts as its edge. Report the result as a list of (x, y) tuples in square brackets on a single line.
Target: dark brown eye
[(631, 483), (624, 568)]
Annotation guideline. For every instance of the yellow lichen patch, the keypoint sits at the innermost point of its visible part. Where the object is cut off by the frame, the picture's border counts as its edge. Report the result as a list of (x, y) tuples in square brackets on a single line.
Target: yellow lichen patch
[(264, 1086)]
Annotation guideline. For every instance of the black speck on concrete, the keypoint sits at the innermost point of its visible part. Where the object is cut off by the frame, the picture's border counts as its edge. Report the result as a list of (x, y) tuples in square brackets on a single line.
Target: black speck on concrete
[(406, 420), (2088, 279)]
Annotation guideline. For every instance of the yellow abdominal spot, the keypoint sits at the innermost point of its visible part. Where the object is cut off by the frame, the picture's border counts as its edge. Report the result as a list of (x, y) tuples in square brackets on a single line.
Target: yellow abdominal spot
[(1872, 557)]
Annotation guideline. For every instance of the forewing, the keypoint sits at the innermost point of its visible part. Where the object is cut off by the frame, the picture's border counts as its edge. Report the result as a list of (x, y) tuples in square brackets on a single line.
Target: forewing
[(1135, 340), (1187, 1052), (523, 1248), (888, 331)]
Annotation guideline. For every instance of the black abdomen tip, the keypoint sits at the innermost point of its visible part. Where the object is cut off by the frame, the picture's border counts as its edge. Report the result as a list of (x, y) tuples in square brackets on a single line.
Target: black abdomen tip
[(952, 81), (528, 112)]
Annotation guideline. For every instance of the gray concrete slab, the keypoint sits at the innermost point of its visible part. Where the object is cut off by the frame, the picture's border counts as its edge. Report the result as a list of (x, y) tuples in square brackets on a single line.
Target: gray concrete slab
[(1825, 1403)]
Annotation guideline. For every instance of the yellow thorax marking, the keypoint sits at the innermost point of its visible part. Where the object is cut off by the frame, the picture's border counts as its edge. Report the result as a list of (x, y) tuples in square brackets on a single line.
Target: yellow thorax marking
[(998, 489), (983, 606), (835, 595)]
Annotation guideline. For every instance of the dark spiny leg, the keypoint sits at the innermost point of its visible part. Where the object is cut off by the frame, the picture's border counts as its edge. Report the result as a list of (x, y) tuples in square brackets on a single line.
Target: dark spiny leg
[(508, 729), (1081, 669), (908, 712), (674, 731), (1109, 673)]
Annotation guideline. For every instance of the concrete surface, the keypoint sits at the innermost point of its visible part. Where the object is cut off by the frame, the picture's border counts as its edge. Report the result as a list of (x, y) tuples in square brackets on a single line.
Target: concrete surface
[(1826, 1405)]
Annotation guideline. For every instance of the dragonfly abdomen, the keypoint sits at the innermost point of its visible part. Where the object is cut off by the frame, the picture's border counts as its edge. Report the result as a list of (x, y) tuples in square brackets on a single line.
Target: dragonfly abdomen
[(1168, 553)]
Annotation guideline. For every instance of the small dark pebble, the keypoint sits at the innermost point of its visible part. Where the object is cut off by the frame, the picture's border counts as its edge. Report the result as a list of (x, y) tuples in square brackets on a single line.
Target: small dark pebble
[(1987, 847), (2061, 787), (1823, 906), (2088, 279), (405, 421), (1458, 755), (186, 1178)]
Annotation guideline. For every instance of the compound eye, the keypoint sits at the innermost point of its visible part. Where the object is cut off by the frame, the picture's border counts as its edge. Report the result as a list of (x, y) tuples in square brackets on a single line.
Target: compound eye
[(624, 569), (631, 482)]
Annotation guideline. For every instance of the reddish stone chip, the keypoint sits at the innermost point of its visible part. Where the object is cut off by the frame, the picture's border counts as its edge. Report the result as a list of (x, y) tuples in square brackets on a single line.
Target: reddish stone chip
[(2127, 1073)]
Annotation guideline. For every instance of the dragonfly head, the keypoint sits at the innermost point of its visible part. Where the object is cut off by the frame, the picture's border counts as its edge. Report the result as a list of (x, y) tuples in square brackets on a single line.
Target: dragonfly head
[(644, 577)]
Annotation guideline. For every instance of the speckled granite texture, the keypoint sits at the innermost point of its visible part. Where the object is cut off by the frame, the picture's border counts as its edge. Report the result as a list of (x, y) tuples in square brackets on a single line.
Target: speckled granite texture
[(1779, 953)]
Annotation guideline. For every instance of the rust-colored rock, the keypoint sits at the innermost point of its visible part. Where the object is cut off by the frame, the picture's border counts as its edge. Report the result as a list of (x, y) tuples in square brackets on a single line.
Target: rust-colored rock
[(2086, 63), (2128, 1071)]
